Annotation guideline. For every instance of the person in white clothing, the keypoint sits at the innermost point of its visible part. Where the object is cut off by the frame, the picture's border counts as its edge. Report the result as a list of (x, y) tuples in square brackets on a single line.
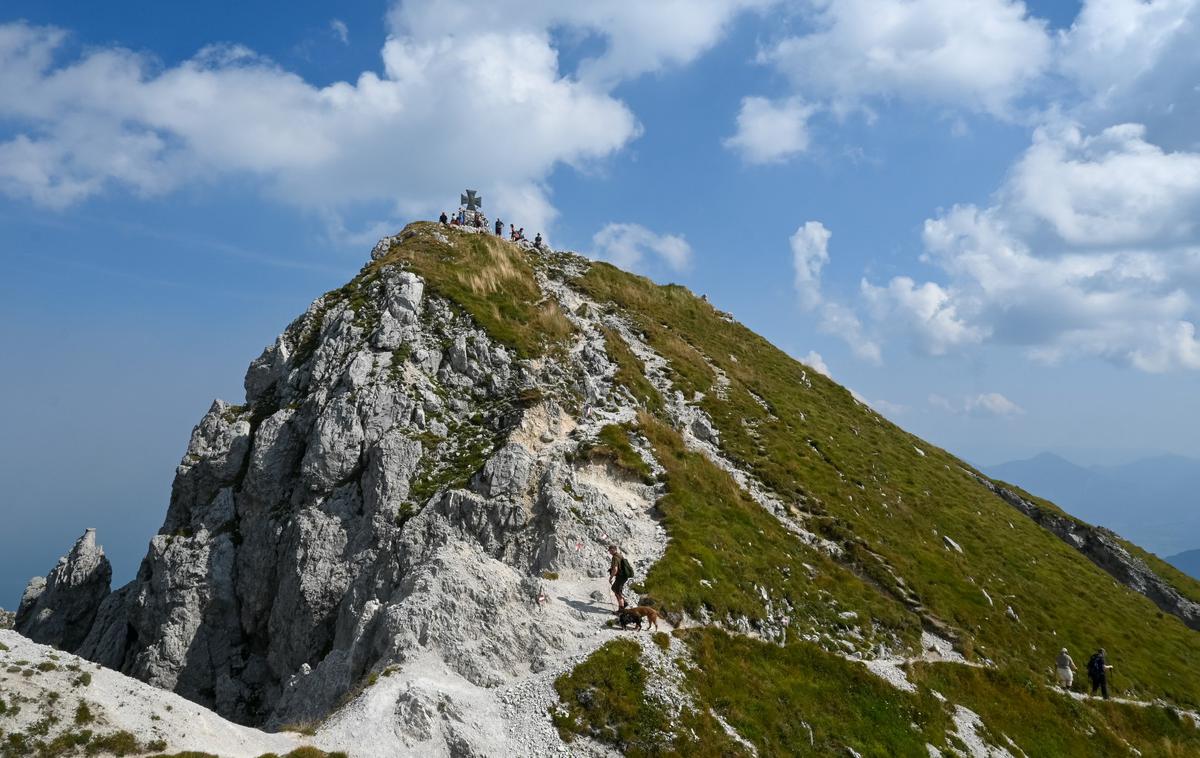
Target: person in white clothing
[(1066, 669)]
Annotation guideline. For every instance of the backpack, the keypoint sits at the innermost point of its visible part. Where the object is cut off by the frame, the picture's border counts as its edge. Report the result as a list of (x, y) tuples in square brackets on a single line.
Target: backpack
[(626, 569), (1095, 666)]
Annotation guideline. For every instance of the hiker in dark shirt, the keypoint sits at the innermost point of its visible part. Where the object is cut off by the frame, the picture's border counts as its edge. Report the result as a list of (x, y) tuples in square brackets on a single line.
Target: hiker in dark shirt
[(499, 228), (537, 241), (1097, 669), (620, 571), (443, 218)]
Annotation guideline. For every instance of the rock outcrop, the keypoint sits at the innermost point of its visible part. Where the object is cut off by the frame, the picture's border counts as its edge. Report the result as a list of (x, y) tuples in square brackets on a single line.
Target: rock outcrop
[(59, 609), (1104, 548), (394, 486)]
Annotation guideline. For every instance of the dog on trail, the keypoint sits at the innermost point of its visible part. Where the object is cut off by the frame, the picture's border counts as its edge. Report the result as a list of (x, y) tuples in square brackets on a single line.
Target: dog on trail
[(635, 615)]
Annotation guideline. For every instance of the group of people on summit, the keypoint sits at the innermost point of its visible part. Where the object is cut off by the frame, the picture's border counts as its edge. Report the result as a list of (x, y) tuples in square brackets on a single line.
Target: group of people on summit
[(1097, 671), (477, 220)]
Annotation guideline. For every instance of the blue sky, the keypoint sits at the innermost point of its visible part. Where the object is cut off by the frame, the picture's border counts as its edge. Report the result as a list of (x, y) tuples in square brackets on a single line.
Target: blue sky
[(979, 216)]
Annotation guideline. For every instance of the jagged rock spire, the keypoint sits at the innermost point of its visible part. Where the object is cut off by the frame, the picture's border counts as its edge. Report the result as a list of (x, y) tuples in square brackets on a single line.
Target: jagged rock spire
[(58, 609)]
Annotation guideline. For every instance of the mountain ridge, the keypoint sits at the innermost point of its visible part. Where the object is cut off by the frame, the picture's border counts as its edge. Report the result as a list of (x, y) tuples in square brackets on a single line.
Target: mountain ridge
[(442, 449), (1151, 500)]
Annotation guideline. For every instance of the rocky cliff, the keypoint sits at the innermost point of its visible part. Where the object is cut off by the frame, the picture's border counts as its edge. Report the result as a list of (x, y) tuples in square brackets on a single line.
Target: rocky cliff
[(399, 540)]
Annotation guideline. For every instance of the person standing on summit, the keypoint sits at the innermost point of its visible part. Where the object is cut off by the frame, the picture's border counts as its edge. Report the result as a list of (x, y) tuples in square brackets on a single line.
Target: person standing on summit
[(499, 228), (620, 570)]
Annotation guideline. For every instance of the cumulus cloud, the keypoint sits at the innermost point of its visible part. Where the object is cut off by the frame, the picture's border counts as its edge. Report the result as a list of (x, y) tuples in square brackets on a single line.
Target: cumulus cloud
[(770, 131), (810, 253), (817, 363), (841, 321), (406, 137), (1112, 188), (1136, 60), (928, 311), (629, 245), (978, 56), (1090, 250), (637, 37), (985, 404)]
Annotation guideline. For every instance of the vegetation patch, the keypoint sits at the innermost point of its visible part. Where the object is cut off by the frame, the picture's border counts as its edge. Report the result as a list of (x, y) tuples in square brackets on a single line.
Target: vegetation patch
[(83, 714), (631, 372), (605, 698), (725, 551), (798, 698), (491, 280), (613, 446), (1043, 721)]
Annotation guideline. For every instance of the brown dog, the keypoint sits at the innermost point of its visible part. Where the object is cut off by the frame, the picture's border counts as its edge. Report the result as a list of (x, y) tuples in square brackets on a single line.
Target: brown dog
[(627, 616)]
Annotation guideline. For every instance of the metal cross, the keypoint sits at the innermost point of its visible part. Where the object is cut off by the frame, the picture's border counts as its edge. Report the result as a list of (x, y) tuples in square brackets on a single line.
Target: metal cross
[(471, 200)]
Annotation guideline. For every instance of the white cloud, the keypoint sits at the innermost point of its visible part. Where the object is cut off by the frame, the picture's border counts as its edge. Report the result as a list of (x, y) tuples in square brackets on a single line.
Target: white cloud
[(841, 321), (980, 55), (984, 404), (879, 406), (810, 253), (340, 31), (927, 311), (1113, 188), (638, 37), (628, 245), (112, 119), (817, 363), (1090, 249), (1114, 44), (482, 102), (770, 131)]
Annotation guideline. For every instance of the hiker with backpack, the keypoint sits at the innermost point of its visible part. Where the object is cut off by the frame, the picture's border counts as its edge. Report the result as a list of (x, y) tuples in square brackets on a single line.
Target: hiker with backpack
[(499, 228), (1065, 667), (620, 570), (1098, 669)]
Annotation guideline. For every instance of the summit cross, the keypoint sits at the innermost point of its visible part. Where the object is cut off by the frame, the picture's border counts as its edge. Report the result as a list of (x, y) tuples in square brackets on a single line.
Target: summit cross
[(471, 200)]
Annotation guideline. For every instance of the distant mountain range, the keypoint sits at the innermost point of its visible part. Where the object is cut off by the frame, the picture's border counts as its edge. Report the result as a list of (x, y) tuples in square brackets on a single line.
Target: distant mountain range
[(1153, 502)]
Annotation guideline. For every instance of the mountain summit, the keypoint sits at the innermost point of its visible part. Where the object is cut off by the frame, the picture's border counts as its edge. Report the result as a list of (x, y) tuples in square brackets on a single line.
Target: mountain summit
[(398, 544)]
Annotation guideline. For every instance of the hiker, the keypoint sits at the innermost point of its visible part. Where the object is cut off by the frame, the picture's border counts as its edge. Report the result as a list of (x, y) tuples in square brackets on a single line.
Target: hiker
[(512, 233), (1066, 670), (1097, 669), (442, 219), (537, 241), (521, 233), (462, 217), (499, 228), (620, 570)]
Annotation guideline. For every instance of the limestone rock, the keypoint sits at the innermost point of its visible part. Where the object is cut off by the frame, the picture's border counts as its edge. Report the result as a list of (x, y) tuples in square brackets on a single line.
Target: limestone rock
[(59, 609)]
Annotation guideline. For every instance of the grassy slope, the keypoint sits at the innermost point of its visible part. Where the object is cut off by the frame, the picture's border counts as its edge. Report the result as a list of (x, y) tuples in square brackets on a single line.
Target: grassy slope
[(862, 482), (865, 479)]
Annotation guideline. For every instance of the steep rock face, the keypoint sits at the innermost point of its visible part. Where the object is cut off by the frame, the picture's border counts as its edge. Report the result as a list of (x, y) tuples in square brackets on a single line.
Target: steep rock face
[(394, 478), (59, 609)]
